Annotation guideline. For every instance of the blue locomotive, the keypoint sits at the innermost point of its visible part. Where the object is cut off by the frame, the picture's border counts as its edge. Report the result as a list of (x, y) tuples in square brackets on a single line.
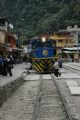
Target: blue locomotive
[(42, 54)]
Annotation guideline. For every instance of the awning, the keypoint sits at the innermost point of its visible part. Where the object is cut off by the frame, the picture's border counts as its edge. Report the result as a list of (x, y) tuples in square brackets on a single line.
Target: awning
[(71, 48), (70, 51), (18, 49)]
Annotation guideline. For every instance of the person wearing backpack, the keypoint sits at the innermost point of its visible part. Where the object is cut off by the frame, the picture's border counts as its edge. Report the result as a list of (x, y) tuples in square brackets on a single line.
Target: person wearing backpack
[(1, 65)]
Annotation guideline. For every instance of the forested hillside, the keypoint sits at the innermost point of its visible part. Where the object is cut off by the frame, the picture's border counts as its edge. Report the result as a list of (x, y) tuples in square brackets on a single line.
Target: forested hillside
[(40, 16)]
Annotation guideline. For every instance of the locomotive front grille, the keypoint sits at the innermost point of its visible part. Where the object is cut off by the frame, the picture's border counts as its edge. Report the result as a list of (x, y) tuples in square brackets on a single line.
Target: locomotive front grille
[(43, 65)]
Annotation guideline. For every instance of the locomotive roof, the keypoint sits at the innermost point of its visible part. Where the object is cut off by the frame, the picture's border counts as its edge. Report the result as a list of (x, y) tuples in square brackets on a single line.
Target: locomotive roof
[(35, 40), (30, 41)]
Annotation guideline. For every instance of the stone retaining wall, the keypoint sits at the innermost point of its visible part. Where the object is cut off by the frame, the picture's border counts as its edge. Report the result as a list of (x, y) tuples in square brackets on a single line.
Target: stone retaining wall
[(7, 89)]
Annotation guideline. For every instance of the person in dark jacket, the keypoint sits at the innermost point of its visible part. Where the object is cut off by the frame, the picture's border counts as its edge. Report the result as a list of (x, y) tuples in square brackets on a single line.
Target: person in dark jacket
[(1, 65), (9, 64), (4, 66), (60, 62)]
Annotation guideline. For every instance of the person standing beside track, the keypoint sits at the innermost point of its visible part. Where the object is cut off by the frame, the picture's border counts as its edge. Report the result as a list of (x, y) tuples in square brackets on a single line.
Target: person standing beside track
[(56, 69), (9, 64), (1, 65), (4, 66), (60, 62)]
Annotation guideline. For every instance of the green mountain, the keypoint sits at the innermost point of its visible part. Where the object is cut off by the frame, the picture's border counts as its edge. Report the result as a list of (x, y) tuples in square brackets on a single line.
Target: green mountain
[(34, 17)]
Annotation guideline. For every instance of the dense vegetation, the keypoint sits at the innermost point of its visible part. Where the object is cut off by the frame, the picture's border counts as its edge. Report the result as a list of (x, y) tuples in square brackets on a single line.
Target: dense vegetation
[(40, 16)]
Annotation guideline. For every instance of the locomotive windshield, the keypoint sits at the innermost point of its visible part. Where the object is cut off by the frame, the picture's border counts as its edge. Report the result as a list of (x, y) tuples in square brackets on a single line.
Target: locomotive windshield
[(42, 44)]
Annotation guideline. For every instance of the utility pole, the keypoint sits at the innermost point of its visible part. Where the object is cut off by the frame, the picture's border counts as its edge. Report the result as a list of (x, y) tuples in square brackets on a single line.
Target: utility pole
[(22, 37), (76, 30), (77, 41), (22, 32)]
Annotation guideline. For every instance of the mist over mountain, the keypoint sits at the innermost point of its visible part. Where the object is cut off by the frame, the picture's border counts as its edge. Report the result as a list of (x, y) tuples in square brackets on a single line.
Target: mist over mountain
[(40, 16)]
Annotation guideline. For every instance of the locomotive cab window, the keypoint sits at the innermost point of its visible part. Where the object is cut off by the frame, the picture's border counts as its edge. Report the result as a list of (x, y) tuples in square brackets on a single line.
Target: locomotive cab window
[(44, 44)]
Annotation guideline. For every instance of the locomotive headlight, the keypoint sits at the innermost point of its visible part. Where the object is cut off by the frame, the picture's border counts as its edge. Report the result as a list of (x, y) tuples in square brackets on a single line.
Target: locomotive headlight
[(43, 39)]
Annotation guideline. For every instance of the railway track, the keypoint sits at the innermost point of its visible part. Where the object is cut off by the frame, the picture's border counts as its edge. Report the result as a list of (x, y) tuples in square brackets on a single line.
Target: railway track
[(49, 104), (38, 98), (73, 69)]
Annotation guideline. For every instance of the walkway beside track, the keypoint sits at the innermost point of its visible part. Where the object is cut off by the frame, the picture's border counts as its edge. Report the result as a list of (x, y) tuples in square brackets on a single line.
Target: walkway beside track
[(8, 84), (69, 86)]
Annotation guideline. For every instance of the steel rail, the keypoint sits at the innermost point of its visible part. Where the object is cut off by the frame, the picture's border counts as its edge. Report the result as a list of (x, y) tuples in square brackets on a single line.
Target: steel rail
[(62, 99), (74, 70), (37, 101)]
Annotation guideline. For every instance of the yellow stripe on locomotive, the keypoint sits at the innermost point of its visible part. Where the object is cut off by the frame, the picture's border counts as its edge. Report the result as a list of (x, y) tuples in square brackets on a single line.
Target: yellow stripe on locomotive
[(43, 66)]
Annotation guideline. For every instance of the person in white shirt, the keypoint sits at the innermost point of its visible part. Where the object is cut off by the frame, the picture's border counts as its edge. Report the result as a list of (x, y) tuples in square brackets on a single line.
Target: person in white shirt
[(56, 69)]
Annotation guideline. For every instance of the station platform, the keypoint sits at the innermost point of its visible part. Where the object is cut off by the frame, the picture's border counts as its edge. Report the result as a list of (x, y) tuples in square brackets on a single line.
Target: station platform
[(9, 84)]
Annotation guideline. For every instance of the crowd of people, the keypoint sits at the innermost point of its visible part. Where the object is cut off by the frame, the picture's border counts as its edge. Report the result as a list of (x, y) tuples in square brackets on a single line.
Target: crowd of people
[(6, 64)]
